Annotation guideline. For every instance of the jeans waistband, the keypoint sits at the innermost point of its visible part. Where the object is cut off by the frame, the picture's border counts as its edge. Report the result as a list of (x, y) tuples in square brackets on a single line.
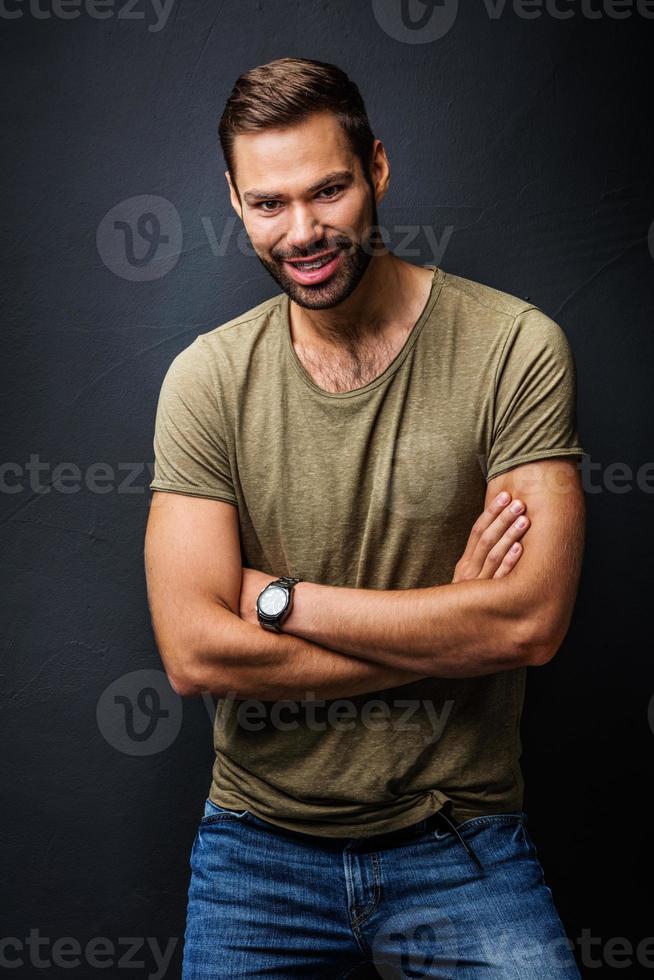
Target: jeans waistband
[(441, 820)]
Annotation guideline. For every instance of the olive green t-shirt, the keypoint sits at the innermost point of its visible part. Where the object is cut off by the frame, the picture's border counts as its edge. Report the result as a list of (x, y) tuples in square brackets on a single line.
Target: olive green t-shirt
[(375, 488)]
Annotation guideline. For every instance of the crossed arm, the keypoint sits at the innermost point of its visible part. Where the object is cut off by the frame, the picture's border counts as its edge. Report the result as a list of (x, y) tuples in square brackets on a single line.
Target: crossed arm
[(474, 625), (340, 641)]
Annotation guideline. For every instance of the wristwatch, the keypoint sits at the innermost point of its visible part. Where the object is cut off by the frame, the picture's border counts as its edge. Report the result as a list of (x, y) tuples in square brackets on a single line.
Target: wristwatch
[(275, 603)]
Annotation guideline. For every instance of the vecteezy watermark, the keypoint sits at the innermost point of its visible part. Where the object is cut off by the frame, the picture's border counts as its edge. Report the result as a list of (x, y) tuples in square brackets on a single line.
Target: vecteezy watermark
[(417, 942), (415, 21), (420, 478), (423, 942), (154, 11), (338, 714), (68, 477), (615, 477), (98, 953), (419, 498), (617, 952), (407, 241), (565, 9), (139, 713), (425, 21), (140, 239)]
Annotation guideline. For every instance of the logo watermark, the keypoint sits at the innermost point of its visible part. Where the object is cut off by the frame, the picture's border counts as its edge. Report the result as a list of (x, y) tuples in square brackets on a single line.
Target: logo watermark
[(42, 477), (415, 21), (98, 953), (417, 942), (420, 479), (154, 12), (339, 714), (426, 21), (140, 239), (407, 241), (139, 713), (423, 942), (69, 478)]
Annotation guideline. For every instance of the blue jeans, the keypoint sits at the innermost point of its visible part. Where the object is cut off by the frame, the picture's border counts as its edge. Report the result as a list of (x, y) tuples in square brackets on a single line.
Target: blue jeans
[(265, 902)]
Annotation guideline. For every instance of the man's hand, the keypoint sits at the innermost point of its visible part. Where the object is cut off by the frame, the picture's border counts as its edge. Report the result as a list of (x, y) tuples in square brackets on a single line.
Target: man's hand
[(493, 547), (488, 554), (501, 616)]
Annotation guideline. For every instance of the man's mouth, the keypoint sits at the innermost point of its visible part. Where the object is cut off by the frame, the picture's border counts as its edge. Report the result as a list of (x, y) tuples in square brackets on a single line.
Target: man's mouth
[(313, 270), (315, 264)]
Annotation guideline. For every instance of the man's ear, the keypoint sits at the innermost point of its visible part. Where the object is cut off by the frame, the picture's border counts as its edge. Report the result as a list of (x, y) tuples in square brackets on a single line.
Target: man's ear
[(380, 170), (233, 196)]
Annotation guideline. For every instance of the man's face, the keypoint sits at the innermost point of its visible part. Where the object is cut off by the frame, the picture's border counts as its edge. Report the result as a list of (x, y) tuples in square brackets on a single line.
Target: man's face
[(303, 193)]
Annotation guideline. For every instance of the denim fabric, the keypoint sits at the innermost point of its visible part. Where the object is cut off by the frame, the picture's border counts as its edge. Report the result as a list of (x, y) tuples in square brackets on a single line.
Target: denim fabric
[(265, 902)]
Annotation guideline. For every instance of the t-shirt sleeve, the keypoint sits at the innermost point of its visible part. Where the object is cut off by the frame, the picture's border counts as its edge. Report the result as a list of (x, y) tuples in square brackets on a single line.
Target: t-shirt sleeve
[(190, 454), (534, 396)]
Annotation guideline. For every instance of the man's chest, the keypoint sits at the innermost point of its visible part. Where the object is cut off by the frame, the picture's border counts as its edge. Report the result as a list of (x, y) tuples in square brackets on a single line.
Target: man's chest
[(350, 366), (374, 492)]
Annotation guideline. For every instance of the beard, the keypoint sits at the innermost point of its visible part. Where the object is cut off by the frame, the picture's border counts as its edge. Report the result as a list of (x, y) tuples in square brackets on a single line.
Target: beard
[(355, 259)]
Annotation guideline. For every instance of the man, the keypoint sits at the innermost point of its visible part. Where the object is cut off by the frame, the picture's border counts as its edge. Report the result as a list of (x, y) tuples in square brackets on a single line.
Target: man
[(348, 439)]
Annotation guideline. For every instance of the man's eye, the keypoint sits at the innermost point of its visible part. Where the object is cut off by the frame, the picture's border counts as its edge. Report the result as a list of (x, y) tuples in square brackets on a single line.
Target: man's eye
[(333, 187)]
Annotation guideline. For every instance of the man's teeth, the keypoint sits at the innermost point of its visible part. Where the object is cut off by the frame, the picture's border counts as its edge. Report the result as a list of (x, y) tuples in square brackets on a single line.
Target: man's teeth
[(316, 264)]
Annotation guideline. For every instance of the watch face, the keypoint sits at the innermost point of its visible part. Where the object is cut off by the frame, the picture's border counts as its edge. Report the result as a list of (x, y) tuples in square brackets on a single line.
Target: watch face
[(273, 600)]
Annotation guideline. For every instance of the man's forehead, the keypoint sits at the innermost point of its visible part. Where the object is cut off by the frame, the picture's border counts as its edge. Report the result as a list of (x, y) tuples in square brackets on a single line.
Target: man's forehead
[(290, 160)]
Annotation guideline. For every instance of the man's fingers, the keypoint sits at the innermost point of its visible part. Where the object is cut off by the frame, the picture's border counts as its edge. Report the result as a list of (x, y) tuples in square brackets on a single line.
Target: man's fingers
[(484, 521), (492, 534), (497, 554), (510, 560)]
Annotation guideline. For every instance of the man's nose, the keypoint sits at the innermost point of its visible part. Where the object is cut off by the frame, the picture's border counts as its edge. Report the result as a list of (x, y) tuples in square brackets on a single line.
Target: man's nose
[(304, 230)]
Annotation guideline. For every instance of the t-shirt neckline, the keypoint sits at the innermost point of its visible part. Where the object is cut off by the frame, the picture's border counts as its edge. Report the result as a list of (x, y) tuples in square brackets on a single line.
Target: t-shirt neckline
[(434, 292)]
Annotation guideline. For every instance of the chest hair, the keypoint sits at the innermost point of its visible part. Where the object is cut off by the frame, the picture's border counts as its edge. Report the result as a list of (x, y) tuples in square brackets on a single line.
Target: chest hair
[(351, 367)]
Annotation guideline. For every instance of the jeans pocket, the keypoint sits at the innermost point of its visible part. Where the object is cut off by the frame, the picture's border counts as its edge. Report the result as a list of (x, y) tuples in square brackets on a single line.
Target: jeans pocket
[(213, 813), (516, 820)]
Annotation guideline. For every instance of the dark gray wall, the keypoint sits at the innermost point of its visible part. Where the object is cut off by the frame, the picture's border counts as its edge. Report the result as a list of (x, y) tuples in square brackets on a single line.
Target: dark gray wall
[(521, 144)]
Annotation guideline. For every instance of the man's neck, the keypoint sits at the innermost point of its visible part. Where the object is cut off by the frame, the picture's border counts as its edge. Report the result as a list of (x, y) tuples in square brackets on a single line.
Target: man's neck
[(385, 305)]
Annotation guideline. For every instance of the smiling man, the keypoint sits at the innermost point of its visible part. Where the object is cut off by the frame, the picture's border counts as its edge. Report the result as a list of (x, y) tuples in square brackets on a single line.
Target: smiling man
[(329, 553)]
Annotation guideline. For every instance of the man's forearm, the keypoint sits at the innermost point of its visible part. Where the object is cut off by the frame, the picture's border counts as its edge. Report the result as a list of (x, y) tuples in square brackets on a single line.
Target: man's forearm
[(456, 630), (251, 662)]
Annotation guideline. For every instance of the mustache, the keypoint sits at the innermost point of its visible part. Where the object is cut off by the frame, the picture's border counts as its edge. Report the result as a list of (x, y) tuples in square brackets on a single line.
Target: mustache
[(342, 244)]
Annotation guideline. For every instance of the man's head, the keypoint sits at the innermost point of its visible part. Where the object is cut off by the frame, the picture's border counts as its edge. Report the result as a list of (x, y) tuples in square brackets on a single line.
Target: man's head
[(305, 175)]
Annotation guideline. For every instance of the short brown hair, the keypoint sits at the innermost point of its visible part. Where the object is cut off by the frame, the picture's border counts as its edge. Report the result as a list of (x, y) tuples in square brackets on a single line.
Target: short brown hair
[(286, 91)]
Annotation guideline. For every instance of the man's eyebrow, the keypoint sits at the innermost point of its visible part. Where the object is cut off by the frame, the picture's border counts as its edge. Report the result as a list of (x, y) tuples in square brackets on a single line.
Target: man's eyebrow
[(335, 175)]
